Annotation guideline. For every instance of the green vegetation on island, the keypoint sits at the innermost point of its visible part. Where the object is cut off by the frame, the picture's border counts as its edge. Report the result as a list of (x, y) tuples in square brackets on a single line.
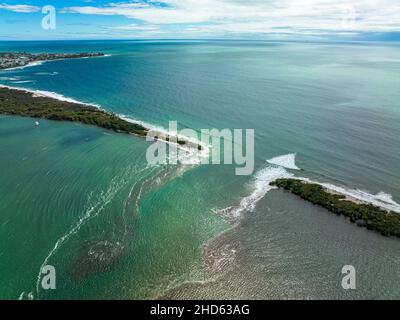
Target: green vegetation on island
[(363, 214), (19, 102), (22, 103)]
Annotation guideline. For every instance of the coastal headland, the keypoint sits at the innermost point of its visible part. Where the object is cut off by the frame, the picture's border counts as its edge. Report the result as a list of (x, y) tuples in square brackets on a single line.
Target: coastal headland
[(363, 214), (10, 60), (21, 102)]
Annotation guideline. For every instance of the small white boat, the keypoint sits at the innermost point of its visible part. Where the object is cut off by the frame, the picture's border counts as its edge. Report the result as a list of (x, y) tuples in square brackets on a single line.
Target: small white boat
[(37, 123)]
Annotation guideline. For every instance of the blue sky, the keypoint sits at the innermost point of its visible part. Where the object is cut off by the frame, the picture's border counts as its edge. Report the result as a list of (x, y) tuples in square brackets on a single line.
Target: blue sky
[(203, 19)]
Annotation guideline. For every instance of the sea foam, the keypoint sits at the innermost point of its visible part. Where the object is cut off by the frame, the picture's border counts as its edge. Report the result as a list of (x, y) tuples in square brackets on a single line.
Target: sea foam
[(49, 94), (260, 186), (31, 64), (381, 199), (287, 161), (187, 155)]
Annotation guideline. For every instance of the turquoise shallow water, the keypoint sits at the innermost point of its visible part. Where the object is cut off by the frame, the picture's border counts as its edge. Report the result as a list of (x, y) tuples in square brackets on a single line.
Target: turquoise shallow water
[(122, 229)]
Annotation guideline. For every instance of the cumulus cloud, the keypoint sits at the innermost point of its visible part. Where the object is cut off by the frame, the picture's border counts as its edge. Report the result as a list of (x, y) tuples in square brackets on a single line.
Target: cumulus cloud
[(21, 8), (258, 16), (242, 17)]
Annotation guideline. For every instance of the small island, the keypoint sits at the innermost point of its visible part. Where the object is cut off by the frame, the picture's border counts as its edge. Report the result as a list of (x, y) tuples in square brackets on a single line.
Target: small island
[(9, 60), (20, 102), (363, 214)]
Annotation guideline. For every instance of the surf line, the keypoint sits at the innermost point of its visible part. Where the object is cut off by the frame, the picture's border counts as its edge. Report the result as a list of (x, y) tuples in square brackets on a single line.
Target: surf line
[(381, 199), (283, 167), (91, 114)]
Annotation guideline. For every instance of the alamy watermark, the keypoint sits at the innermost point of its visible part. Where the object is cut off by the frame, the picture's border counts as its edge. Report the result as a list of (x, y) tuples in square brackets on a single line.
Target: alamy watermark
[(349, 280), (49, 21), (48, 274), (209, 146)]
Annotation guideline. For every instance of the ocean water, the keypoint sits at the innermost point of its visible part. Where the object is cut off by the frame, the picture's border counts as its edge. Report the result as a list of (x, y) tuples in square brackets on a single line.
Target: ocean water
[(85, 200)]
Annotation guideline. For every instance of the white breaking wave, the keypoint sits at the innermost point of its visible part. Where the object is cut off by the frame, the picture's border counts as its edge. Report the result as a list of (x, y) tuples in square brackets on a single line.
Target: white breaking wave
[(23, 81), (261, 186), (26, 296), (49, 94), (46, 73), (187, 155), (385, 197), (31, 64), (9, 78), (287, 161), (382, 200)]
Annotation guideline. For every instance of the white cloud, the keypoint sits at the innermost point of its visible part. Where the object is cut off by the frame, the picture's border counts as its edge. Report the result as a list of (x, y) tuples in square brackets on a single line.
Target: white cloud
[(259, 16), (21, 8), (136, 27)]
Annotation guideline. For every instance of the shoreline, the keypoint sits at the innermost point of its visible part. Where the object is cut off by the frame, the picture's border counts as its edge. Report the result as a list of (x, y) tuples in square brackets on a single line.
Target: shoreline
[(363, 214), (19, 60), (41, 62), (125, 125), (30, 64)]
